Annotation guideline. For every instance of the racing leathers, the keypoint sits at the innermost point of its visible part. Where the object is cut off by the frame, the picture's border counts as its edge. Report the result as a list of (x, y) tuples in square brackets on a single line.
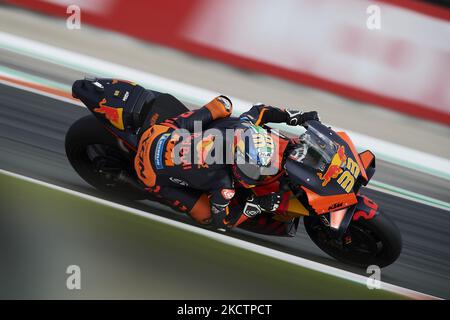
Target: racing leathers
[(171, 160)]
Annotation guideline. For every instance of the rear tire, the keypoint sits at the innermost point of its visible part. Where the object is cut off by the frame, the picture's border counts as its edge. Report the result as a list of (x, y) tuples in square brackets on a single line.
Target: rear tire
[(373, 242), (88, 146)]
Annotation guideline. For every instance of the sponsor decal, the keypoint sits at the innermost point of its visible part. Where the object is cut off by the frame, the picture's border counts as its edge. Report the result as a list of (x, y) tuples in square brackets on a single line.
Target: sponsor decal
[(141, 171), (366, 213), (335, 206), (125, 96), (159, 151), (345, 177), (116, 93), (227, 194), (178, 181), (168, 154), (334, 169), (112, 114), (251, 210)]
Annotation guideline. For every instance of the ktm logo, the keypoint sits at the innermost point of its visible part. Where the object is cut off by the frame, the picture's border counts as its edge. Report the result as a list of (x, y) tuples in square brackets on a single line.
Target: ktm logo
[(114, 115), (335, 206), (141, 171)]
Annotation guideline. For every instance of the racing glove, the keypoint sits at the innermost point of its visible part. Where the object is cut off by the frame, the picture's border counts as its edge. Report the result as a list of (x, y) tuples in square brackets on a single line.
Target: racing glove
[(255, 205), (298, 118), (219, 217)]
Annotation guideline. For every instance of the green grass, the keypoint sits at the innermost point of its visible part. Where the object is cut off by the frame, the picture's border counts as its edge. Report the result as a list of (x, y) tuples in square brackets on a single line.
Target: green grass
[(127, 256)]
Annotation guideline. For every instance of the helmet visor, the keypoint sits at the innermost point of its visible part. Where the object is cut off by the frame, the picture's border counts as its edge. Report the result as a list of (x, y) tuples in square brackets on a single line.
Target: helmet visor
[(252, 170)]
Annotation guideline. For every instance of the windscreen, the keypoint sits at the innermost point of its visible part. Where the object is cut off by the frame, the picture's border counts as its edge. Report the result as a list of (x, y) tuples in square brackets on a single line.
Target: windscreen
[(315, 150)]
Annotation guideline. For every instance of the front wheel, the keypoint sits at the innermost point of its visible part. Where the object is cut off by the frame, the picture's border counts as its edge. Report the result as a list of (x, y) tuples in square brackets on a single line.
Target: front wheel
[(366, 242)]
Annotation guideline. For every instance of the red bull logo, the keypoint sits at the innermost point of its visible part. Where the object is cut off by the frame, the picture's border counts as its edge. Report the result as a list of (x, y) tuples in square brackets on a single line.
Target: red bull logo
[(113, 115), (334, 169)]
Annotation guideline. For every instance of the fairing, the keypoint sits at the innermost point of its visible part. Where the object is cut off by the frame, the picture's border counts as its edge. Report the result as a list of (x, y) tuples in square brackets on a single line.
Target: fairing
[(330, 173)]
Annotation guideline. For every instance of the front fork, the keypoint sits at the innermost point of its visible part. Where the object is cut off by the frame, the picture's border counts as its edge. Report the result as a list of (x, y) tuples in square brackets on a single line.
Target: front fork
[(340, 220)]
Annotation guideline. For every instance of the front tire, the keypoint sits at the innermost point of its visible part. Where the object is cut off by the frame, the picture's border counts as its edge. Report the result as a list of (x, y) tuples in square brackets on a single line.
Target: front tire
[(97, 157), (367, 242)]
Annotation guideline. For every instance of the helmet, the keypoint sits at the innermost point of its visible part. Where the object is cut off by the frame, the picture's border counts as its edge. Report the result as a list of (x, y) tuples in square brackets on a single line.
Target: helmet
[(253, 157)]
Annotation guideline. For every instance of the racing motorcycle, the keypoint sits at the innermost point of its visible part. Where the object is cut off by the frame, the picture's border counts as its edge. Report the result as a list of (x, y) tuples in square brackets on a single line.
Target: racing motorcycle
[(325, 173)]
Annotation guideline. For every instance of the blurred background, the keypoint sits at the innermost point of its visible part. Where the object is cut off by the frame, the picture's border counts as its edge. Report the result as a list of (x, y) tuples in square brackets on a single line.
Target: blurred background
[(378, 69)]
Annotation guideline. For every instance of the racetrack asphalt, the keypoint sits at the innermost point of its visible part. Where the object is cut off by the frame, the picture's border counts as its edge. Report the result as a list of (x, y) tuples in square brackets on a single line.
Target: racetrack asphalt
[(32, 130)]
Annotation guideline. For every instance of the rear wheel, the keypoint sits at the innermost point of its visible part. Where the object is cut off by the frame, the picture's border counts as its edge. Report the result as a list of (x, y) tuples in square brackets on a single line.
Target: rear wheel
[(367, 242), (98, 158)]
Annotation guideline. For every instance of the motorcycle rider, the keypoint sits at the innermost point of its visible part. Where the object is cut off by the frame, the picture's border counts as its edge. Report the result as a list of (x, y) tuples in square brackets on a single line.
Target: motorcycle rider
[(172, 166)]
